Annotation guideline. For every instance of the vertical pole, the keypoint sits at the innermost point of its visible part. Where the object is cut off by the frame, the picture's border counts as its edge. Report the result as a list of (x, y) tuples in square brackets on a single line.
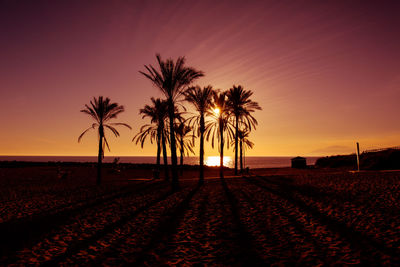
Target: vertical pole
[(358, 156)]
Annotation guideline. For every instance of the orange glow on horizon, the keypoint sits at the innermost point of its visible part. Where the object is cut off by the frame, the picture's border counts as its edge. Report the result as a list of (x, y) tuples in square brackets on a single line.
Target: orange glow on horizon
[(215, 161)]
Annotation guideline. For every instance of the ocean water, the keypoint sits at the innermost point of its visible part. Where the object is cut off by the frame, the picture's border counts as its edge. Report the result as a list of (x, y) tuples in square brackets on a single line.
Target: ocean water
[(251, 162)]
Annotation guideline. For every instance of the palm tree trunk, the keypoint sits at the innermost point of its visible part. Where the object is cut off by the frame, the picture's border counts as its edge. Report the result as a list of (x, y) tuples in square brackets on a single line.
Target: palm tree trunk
[(221, 159), (158, 152), (164, 149), (181, 151), (236, 144), (202, 130), (158, 147), (100, 156), (244, 159), (241, 155), (174, 160)]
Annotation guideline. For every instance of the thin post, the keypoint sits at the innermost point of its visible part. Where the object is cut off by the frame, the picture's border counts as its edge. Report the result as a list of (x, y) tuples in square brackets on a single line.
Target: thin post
[(358, 156)]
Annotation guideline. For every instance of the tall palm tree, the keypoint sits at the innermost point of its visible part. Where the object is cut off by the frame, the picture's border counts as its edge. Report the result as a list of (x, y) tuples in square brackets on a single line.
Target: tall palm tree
[(219, 127), (201, 99), (157, 113), (102, 111), (172, 79), (241, 107), (185, 140)]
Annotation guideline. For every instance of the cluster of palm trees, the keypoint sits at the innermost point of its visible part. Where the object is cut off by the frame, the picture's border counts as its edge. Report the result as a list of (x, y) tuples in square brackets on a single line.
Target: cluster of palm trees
[(224, 117)]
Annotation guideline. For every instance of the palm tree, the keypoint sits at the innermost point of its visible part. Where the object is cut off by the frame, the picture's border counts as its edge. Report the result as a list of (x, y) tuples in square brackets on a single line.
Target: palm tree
[(157, 113), (219, 128), (102, 111), (184, 138), (201, 99), (172, 79), (241, 107), (244, 143)]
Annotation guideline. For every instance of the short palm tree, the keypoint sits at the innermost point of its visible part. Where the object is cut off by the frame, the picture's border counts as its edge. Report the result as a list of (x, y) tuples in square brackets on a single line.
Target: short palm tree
[(156, 131), (201, 99), (102, 111), (244, 143), (219, 127), (172, 79), (185, 140), (241, 107)]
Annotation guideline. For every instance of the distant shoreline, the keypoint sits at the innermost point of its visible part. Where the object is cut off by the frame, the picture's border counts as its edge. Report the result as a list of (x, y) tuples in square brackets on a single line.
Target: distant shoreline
[(253, 162)]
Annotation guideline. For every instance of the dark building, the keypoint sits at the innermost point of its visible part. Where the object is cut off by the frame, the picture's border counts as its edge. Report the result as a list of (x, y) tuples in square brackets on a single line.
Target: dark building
[(299, 163)]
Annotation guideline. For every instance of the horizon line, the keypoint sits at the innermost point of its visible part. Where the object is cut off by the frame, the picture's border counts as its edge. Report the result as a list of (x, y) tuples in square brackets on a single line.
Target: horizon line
[(156, 156)]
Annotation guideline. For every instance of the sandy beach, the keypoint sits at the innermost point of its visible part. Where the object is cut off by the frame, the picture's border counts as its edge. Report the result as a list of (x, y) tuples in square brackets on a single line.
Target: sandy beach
[(280, 216), (199, 133)]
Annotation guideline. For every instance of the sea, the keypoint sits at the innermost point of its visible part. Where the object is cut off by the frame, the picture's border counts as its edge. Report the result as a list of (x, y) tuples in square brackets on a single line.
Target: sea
[(251, 162)]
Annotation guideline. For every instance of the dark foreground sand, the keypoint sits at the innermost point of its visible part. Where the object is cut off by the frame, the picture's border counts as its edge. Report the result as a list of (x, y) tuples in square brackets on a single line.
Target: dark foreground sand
[(281, 216)]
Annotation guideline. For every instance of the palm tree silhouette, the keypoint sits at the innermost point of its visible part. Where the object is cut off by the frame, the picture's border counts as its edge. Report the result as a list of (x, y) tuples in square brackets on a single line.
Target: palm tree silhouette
[(219, 127), (241, 107), (201, 99), (244, 143), (102, 111), (184, 138), (158, 114), (172, 79)]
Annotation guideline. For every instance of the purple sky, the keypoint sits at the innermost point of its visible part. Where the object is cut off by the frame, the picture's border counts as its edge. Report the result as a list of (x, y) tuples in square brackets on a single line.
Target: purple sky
[(326, 73)]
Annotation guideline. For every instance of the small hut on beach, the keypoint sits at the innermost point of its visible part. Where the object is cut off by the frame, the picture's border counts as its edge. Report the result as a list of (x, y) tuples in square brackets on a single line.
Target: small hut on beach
[(299, 163)]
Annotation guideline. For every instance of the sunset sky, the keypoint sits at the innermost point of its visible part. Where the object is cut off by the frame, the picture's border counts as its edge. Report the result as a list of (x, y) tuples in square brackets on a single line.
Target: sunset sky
[(326, 73)]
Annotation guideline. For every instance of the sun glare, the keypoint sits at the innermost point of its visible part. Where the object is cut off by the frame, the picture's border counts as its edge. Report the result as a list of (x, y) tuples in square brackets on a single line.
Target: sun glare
[(216, 111), (214, 161)]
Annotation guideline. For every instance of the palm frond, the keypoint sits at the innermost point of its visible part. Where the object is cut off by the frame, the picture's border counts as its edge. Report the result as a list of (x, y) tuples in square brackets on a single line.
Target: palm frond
[(85, 131), (121, 124), (105, 142), (102, 110), (112, 129), (171, 78)]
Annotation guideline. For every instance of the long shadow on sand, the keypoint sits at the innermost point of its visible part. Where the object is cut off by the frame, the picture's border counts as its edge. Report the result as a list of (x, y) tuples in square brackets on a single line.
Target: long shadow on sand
[(81, 244), (365, 244), (247, 255), (20, 233), (326, 197), (299, 228), (166, 228)]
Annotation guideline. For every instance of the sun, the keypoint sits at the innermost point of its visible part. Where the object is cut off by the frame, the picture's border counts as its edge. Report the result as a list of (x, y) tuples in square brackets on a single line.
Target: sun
[(215, 161), (216, 111)]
